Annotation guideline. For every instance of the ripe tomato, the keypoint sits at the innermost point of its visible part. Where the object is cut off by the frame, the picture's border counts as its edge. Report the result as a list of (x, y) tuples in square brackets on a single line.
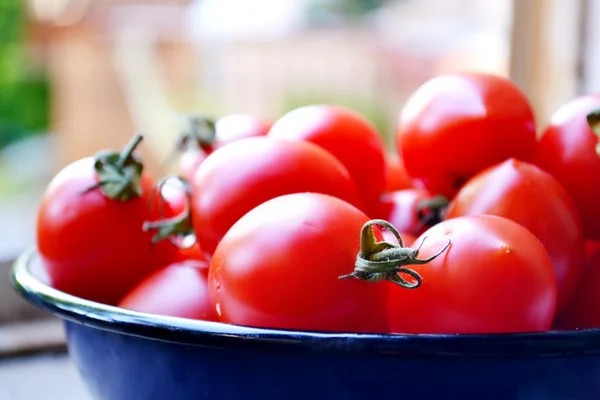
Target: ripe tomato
[(567, 150), (346, 135), (583, 309), (495, 277), (279, 268), (455, 125), (202, 136), (396, 176), (407, 210), (91, 241), (531, 197), (591, 247), (177, 290), (240, 176)]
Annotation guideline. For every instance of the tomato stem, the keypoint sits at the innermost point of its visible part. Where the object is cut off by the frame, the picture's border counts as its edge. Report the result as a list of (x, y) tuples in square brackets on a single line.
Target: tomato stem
[(593, 119), (119, 173), (380, 261), (178, 228)]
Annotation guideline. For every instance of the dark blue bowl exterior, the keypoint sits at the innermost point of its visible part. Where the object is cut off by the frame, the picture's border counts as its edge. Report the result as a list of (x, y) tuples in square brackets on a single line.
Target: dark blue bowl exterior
[(124, 355), (123, 367)]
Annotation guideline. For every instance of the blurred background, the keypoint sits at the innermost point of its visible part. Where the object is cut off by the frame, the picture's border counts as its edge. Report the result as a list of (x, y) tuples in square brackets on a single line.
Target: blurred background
[(77, 76)]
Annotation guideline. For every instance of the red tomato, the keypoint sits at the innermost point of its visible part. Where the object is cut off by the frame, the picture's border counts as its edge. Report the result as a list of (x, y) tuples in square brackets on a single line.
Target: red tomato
[(91, 241), (279, 268), (567, 150), (591, 247), (495, 277), (177, 290), (203, 137), (401, 209), (240, 176), (583, 309), (396, 176), (346, 135), (455, 125), (531, 197)]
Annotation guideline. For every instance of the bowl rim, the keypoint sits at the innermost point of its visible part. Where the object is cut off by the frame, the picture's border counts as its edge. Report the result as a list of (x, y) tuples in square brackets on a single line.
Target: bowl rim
[(216, 334)]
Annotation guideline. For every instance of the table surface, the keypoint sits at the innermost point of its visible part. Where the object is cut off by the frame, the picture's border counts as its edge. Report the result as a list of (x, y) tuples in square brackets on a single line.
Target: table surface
[(48, 377)]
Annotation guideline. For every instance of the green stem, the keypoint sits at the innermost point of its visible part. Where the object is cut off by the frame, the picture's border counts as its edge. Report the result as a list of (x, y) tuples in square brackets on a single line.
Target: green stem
[(379, 261), (128, 150), (178, 228)]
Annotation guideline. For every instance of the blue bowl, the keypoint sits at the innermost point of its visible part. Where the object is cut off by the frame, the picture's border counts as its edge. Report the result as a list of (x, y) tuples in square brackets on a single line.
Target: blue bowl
[(127, 355)]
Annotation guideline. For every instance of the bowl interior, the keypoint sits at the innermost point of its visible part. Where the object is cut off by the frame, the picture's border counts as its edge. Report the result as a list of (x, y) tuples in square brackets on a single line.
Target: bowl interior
[(30, 281)]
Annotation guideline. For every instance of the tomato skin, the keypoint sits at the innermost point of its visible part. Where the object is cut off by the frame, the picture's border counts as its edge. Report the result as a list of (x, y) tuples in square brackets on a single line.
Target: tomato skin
[(235, 127), (244, 174), (583, 309), (91, 246), (279, 269), (228, 129), (177, 290), (456, 125), (567, 151), (396, 176), (346, 135), (531, 197), (591, 247), (495, 277), (400, 208)]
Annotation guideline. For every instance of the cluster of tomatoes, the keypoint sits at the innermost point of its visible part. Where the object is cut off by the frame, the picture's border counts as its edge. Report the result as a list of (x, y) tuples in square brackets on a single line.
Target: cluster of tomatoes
[(475, 224)]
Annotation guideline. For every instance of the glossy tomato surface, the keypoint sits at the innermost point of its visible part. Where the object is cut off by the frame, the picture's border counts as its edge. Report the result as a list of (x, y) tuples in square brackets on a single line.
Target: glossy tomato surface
[(531, 197), (228, 129), (279, 268), (567, 150), (177, 290), (92, 246), (244, 174), (346, 135), (455, 125), (495, 277)]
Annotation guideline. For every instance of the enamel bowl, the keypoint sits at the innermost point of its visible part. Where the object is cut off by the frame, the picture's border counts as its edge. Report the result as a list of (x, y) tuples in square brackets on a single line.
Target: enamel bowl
[(126, 355)]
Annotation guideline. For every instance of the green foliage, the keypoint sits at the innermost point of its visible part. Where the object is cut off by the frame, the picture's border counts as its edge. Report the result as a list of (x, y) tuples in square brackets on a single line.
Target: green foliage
[(23, 95)]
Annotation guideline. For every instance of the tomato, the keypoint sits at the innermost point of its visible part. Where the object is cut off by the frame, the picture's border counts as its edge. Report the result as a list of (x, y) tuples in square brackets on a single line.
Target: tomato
[(346, 135), (242, 175), (591, 247), (494, 277), (531, 197), (396, 176), (202, 136), (279, 268), (177, 290), (567, 150), (408, 210), (90, 238), (583, 309), (458, 124)]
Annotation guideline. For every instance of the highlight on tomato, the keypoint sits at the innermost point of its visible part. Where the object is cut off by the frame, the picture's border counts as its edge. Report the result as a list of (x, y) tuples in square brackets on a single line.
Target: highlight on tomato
[(242, 175), (89, 226), (348, 136), (456, 125), (531, 197), (280, 269), (568, 151), (494, 277)]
